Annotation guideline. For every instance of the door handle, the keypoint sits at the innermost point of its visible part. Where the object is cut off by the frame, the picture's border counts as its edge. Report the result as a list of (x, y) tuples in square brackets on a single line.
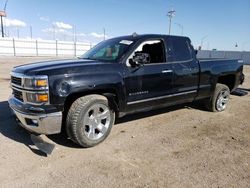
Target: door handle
[(167, 71)]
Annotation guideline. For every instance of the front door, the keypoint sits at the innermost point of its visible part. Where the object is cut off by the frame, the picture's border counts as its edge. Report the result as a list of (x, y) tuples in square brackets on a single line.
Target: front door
[(148, 84)]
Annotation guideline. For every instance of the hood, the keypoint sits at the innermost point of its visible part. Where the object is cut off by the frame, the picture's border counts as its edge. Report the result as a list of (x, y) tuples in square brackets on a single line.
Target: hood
[(36, 68)]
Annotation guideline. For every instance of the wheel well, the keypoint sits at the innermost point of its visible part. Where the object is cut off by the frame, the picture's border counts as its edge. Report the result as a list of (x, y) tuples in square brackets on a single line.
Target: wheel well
[(228, 80), (111, 96)]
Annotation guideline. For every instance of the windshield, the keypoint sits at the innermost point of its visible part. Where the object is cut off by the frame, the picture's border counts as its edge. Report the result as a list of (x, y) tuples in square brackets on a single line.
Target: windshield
[(109, 50)]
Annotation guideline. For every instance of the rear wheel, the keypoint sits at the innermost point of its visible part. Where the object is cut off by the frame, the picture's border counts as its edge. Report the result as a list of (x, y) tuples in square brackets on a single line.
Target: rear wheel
[(89, 120), (219, 101)]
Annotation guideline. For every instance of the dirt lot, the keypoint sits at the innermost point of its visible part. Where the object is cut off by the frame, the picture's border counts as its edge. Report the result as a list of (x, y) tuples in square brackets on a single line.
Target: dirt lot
[(183, 146)]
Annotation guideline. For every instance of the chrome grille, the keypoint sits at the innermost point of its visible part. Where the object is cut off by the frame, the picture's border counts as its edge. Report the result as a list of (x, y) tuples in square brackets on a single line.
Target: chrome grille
[(18, 94), (16, 80)]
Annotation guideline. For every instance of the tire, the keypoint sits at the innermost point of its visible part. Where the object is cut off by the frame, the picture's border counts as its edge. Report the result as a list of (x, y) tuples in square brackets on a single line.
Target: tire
[(219, 101), (89, 120)]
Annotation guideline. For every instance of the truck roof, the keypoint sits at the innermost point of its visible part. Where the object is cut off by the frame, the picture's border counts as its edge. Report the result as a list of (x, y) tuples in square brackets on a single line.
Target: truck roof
[(145, 36)]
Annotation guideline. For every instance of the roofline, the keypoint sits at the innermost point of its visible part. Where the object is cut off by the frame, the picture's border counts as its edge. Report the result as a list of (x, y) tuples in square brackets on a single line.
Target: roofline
[(148, 35)]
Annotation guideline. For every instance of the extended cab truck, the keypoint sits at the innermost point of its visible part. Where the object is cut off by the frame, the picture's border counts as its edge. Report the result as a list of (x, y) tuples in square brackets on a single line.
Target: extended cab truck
[(117, 77)]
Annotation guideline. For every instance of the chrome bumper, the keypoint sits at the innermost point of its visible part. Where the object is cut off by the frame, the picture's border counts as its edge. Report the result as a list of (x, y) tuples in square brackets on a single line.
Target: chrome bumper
[(42, 123)]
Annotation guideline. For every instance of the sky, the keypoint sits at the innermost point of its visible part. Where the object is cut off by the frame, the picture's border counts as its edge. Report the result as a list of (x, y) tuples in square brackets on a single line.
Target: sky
[(217, 24)]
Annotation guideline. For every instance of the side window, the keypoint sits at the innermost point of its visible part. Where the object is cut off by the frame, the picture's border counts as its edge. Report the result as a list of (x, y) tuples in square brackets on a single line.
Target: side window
[(154, 49), (179, 50)]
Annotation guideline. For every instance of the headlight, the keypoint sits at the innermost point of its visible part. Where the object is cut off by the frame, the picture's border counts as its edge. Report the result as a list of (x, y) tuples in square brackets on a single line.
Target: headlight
[(30, 89), (40, 82), (37, 97), (39, 86)]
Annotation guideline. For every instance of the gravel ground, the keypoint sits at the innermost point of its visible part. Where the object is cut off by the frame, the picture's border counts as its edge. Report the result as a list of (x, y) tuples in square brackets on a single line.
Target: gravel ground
[(181, 146)]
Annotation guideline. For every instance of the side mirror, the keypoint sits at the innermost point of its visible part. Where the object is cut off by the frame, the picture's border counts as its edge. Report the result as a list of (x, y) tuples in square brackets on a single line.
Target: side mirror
[(139, 59)]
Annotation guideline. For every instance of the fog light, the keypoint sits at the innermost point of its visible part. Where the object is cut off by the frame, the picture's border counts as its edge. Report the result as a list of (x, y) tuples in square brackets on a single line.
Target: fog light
[(34, 121), (31, 122)]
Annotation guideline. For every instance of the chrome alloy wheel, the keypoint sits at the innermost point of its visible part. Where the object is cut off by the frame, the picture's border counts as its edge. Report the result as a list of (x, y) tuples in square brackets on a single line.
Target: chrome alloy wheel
[(96, 121), (222, 100)]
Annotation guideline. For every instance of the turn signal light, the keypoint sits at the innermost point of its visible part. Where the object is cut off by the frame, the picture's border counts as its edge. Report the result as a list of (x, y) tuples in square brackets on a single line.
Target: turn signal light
[(42, 97), (41, 83)]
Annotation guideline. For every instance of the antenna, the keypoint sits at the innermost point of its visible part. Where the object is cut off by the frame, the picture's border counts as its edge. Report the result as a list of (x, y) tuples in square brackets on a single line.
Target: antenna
[(3, 14)]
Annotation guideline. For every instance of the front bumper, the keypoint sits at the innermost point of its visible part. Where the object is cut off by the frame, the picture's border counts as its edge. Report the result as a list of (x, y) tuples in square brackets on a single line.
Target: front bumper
[(40, 123)]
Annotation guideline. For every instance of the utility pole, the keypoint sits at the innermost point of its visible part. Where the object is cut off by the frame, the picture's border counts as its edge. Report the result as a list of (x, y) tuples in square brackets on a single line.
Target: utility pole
[(2, 26), (170, 14), (2, 14)]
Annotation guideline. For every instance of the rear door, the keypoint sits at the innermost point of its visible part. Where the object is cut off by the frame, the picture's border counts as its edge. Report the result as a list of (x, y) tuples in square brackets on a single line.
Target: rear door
[(185, 68)]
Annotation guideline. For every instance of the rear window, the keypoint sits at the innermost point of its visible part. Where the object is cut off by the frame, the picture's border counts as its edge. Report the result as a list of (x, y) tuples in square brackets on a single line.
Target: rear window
[(179, 49)]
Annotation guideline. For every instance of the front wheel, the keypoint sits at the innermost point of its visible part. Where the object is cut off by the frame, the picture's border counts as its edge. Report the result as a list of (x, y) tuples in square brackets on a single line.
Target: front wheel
[(89, 120), (219, 101)]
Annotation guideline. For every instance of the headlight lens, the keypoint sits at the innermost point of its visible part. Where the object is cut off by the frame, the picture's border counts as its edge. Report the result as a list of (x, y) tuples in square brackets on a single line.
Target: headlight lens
[(37, 97), (40, 82), (39, 86)]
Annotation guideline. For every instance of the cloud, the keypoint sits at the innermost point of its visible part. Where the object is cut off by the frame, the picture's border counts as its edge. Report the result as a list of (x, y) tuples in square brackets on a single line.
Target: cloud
[(96, 35), (81, 34), (61, 25), (14, 23), (60, 34), (62, 31), (54, 30), (44, 18)]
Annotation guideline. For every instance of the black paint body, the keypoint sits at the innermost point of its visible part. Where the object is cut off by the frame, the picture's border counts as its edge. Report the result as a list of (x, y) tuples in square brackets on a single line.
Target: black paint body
[(134, 88)]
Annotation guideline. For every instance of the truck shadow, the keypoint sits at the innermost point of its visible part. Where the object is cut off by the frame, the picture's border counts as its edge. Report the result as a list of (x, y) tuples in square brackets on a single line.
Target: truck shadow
[(244, 89), (240, 92), (61, 138), (141, 115), (10, 129)]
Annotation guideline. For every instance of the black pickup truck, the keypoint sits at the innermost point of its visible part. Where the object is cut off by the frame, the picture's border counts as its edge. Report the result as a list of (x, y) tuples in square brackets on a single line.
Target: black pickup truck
[(118, 76)]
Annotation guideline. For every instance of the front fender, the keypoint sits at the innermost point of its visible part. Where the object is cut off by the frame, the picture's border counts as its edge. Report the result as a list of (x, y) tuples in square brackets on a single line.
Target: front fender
[(63, 87)]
